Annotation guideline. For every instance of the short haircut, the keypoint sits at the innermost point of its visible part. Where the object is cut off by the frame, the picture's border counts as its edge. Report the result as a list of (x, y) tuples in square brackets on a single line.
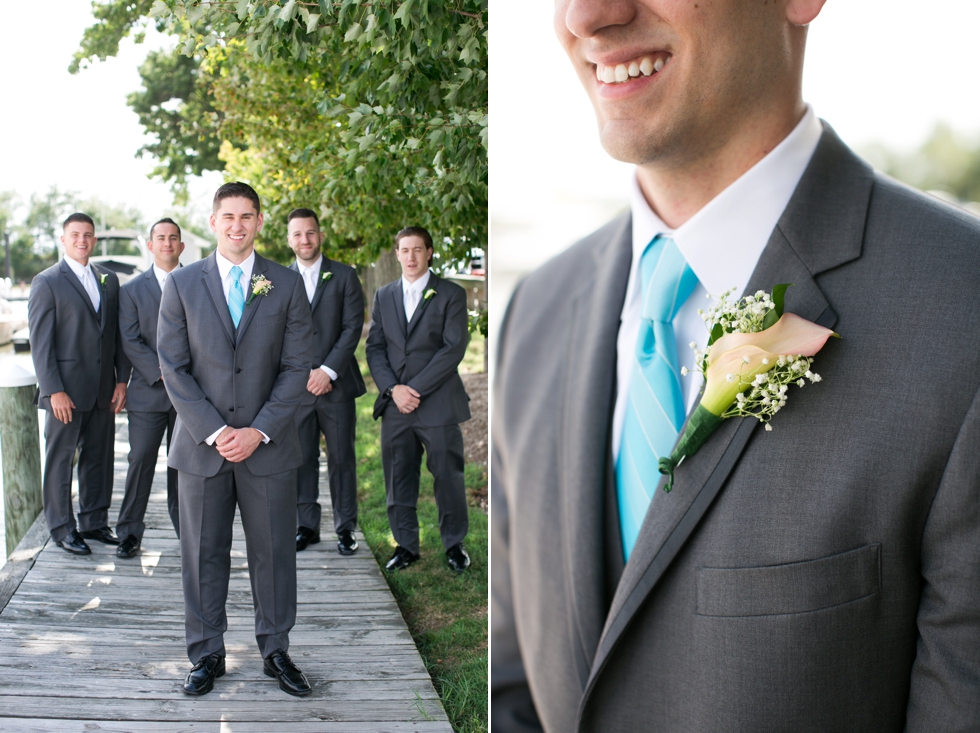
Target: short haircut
[(303, 214), (237, 189), (414, 232), (165, 220), (78, 216)]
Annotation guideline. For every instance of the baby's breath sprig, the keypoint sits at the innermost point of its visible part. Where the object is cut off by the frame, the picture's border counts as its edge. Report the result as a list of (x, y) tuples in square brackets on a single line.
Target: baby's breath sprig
[(745, 315), (766, 393)]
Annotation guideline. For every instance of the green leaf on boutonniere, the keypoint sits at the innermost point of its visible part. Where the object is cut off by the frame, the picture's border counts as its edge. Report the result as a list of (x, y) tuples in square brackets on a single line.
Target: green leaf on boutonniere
[(778, 303)]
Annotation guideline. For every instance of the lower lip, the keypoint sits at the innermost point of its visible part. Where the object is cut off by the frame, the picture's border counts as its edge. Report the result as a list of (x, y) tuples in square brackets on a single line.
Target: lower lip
[(628, 88)]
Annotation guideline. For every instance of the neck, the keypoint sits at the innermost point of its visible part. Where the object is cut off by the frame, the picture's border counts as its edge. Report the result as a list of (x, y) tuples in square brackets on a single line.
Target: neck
[(308, 263), (165, 266), (236, 259), (83, 263), (678, 188)]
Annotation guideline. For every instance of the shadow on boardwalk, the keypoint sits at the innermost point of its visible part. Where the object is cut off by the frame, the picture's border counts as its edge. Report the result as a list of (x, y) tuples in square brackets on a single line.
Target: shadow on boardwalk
[(97, 642)]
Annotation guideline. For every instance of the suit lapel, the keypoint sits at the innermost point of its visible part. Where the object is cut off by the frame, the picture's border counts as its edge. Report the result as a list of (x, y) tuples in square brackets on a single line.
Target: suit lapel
[(321, 285), (73, 280), (153, 286), (398, 303), (423, 303), (821, 228), (212, 285), (584, 427), (258, 268)]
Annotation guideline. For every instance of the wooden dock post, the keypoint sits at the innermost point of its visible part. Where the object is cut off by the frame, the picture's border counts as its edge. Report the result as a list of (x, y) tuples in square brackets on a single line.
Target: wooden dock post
[(21, 448)]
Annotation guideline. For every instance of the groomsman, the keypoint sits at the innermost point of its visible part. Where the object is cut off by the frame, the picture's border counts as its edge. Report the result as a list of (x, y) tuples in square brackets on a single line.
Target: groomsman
[(81, 374), (234, 342), (337, 306), (418, 336), (149, 410)]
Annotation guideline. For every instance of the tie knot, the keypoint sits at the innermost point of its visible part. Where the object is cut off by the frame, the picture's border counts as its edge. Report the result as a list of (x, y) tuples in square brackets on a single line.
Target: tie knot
[(236, 271), (666, 280)]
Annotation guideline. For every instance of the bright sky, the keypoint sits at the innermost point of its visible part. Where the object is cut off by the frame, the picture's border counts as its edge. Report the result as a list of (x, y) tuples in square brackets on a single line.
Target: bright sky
[(877, 71), (75, 132)]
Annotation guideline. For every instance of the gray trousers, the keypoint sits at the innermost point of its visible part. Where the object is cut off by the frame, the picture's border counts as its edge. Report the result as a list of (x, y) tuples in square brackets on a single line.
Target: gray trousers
[(146, 431), (91, 432), (336, 420), (267, 505), (403, 442)]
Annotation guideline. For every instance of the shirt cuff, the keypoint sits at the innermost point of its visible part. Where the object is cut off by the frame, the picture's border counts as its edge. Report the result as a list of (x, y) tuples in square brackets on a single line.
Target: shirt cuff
[(265, 438), (214, 436), (330, 372)]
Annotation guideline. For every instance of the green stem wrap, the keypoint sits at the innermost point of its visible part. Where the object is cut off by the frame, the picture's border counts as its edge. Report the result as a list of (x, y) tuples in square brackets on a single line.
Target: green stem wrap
[(699, 428)]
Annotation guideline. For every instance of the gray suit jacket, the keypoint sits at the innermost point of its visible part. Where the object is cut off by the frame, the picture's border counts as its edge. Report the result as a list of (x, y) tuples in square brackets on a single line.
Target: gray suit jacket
[(423, 353), (139, 308), (252, 376), (75, 349), (821, 577), (338, 319)]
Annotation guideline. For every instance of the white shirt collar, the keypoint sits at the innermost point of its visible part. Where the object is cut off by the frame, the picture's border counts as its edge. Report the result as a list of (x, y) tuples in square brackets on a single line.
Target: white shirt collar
[(419, 285), (78, 268), (161, 275), (315, 267), (724, 240), (225, 265)]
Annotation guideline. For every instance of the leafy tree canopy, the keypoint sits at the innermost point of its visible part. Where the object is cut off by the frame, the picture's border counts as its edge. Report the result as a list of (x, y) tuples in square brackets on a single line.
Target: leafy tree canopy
[(374, 113)]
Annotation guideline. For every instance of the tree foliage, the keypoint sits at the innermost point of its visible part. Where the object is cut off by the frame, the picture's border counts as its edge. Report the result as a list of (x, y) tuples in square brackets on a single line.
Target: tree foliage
[(374, 113)]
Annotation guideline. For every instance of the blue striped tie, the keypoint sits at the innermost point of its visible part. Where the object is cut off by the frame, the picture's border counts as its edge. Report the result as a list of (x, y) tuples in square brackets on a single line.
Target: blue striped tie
[(236, 298), (655, 407)]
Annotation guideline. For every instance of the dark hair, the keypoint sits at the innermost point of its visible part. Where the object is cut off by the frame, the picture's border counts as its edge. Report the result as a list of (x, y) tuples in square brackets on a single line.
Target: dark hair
[(237, 189), (165, 220), (414, 232), (78, 216), (303, 214)]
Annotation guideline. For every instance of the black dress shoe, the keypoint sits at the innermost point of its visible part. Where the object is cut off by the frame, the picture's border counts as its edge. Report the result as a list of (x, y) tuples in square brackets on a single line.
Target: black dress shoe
[(401, 559), (103, 534), (74, 544), (346, 542), (200, 680), (291, 680), (128, 547), (306, 536), (457, 557)]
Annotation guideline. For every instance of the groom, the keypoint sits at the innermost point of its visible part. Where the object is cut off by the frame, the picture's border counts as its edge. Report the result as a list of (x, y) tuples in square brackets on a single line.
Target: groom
[(824, 576), (233, 339)]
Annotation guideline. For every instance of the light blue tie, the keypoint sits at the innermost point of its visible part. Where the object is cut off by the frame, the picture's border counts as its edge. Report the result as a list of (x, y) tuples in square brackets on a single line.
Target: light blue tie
[(655, 407), (236, 298)]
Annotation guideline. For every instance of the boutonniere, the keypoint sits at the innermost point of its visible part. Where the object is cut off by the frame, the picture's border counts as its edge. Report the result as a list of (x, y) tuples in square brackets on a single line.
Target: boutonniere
[(260, 286), (102, 279), (324, 276), (755, 352), (426, 297)]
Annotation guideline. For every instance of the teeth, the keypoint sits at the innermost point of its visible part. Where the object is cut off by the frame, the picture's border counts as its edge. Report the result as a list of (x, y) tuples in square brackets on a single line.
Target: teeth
[(624, 72)]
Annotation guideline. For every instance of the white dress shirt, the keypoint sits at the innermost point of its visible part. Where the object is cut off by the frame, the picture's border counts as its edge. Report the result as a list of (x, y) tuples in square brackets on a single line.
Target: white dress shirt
[(245, 279), (416, 289), (311, 279), (86, 276), (161, 276), (722, 243)]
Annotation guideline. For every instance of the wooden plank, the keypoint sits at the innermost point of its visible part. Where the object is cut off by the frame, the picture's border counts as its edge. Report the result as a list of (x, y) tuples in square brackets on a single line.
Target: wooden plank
[(22, 559), (46, 725)]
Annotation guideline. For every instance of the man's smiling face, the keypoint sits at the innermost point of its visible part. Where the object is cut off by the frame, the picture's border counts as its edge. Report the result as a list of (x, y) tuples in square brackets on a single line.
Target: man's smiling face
[(672, 79), (165, 245), (236, 223), (79, 241), (305, 239)]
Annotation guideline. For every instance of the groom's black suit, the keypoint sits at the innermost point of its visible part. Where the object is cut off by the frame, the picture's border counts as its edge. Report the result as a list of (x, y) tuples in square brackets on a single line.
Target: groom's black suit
[(821, 577)]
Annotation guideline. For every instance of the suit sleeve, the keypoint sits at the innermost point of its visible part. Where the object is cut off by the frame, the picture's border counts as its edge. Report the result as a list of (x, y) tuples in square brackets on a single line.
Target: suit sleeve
[(41, 316), (455, 336), (279, 411), (376, 350), (353, 322), (196, 413), (946, 673), (512, 709), (140, 354), (120, 360)]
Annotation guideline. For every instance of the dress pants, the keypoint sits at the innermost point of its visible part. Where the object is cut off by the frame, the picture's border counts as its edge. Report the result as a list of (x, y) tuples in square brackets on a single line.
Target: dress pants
[(92, 432), (146, 431), (336, 420), (403, 441), (267, 505)]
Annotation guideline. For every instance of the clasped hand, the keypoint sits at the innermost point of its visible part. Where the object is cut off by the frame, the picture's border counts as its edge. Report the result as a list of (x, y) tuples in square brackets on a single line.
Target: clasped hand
[(319, 382), (237, 444), (406, 399)]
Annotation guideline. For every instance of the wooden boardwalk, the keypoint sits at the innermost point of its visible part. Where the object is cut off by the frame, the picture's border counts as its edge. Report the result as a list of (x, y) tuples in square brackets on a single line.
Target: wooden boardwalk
[(96, 643)]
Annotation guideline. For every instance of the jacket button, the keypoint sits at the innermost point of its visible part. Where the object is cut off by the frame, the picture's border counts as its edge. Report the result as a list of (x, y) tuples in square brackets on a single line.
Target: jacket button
[(231, 409), (238, 370)]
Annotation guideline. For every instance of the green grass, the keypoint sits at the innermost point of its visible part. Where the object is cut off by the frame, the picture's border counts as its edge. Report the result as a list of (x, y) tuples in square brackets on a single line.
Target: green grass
[(446, 613)]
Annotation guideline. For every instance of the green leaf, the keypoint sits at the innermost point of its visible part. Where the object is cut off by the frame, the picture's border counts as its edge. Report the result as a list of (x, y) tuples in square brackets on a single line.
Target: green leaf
[(716, 333), (779, 298), (311, 23)]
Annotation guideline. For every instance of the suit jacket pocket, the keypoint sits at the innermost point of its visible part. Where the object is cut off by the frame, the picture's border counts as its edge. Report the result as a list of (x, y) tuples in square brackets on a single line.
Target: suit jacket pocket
[(796, 587)]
